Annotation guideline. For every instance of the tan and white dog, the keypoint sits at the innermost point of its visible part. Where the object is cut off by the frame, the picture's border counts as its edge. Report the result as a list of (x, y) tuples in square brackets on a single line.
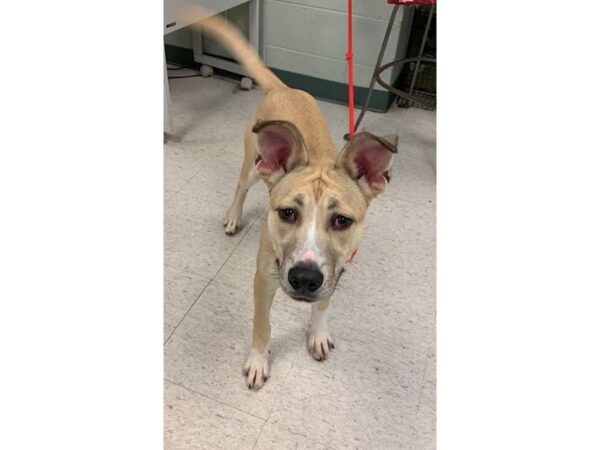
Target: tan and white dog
[(318, 198)]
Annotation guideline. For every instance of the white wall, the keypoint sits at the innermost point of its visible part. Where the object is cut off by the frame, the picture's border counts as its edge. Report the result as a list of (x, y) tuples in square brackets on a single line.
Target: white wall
[(309, 36)]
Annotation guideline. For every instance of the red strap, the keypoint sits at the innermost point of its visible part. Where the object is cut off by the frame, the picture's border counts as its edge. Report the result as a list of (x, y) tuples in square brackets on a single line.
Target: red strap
[(349, 59)]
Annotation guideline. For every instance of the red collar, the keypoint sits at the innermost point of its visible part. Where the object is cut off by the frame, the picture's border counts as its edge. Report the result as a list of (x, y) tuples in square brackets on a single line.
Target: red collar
[(352, 255)]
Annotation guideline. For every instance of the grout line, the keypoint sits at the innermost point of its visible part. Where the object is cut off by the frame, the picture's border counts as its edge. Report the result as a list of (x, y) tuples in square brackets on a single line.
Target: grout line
[(416, 431), (182, 186), (259, 433), (173, 194), (300, 349), (421, 386), (384, 336), (214, 399), (212, 278), (276, 396), (186, 313), (242, 233), (170, 193)]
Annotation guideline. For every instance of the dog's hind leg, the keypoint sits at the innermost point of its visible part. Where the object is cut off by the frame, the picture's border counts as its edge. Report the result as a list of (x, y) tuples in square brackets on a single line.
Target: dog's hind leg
[(248, 177), (318, 340)]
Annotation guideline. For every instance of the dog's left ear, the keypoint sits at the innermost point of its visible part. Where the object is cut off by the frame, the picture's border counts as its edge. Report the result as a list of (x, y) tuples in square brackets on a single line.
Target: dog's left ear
[(280, 149), (368, 160)]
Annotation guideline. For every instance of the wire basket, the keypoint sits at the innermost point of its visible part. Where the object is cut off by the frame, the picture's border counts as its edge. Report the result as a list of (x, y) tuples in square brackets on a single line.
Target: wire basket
[(425, 82)]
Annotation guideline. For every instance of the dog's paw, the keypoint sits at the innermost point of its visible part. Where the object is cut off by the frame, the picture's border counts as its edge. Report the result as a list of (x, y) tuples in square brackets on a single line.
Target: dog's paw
[(232, 221), (256, 369), (319, 345)]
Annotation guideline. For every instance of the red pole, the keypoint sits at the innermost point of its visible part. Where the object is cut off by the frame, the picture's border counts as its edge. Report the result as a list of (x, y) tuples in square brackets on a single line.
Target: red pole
[(349, 59)]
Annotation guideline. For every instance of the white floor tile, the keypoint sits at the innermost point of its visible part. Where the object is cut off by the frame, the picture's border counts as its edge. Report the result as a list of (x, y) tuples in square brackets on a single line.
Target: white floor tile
[(194, 421), (425, 434), (364, 396), (241, 266), (207, 351), (181, 289), (194, 236), (181, 163), (389, 289), (274, 438)]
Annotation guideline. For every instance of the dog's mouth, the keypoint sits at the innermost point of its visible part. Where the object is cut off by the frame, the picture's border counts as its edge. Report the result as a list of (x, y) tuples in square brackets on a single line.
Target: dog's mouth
[(302, 298), (296, 295)]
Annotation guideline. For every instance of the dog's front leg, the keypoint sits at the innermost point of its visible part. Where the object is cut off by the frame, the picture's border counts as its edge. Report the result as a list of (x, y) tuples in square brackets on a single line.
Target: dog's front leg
[(318, 340), (256, 368)]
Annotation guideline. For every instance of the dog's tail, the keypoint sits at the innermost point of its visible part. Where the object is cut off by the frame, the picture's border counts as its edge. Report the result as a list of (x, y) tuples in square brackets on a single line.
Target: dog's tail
[(230, 36)]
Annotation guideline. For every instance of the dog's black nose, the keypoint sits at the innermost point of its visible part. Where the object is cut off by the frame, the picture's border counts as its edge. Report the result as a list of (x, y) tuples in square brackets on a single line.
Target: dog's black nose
[(305, 278)]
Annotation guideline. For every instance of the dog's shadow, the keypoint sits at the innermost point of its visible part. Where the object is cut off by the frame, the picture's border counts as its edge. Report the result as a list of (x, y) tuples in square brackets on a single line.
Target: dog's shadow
[(287, 342)]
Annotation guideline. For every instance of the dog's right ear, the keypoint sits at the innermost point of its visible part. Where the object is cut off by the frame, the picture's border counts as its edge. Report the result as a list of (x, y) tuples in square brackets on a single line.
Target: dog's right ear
[(280, 149), (368, 160)]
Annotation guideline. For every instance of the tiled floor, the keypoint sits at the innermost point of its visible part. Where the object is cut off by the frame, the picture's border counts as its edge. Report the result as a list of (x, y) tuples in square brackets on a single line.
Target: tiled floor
[(377, 389)]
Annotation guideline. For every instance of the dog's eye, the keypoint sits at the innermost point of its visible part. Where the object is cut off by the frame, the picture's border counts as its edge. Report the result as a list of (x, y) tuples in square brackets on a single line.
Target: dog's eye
[(287, 215), (340, 222)]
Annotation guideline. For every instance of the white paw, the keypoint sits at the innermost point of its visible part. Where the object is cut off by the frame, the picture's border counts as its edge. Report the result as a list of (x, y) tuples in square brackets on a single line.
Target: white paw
[(256, 369), (319, 345), (232, 220)]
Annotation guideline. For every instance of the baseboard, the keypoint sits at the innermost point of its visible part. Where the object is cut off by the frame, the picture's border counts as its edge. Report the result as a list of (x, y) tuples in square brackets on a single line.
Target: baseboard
[(322, 89)]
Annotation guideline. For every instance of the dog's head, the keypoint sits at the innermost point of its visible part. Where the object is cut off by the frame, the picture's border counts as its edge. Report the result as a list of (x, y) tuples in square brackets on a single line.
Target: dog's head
[(317, 210)]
